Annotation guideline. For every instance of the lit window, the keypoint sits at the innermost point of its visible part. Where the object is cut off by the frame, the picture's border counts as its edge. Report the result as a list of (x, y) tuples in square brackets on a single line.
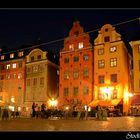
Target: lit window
[(113, 78), (12, 99), (20, 54), (85, 90), (71, 47), (75, 91), (86, 72), (113, 62), (114, 95), (19, 76), (101, 51), (80, 45), (35, 68), (86, 57), (8, 66), (101, 64), (12, 55), (106, 39), (2, 57), (66, 91), (113, 49), (101, 79), (14, 65), (75, 74), (66, 75)]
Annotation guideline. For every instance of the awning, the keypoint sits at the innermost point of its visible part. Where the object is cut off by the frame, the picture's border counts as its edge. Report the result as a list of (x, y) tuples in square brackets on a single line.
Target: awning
[(135, 99), (113, 102)]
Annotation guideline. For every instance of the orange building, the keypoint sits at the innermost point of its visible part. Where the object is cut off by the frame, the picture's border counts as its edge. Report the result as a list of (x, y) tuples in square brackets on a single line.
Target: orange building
[(12, 72), (111, 70), (76, 68)]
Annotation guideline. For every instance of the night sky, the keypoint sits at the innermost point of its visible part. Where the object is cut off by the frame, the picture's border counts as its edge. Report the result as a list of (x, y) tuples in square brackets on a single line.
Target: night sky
[(25, 26)]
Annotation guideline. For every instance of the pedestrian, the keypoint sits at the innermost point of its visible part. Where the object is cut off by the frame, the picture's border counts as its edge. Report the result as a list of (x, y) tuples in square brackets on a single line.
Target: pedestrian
[(33, 109)]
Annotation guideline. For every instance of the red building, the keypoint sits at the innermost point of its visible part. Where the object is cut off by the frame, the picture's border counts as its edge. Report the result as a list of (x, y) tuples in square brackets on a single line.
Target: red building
[(76, 68)]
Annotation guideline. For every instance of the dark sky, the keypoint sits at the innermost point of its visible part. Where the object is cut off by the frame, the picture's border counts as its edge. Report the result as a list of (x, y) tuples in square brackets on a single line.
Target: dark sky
[(23, 26)]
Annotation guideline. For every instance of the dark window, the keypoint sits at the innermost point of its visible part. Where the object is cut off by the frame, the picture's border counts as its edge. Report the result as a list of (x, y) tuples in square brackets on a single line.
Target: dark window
[(39, 57), (113, 78), (75, 74), (86, 72), (20, 65), (1, 77), (106, 30), (101, 64), (75, 91), (101, 79), (66, 75), (106, 39), (66, 60), (85, 90), (32, 58), (76, 58), (76, 33), (101, 51), (1, 67), (66, 91)]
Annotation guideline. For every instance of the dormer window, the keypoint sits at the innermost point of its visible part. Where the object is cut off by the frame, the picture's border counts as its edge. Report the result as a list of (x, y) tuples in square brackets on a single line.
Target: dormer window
[(106, 39), (32, 58), (2, 57), (71, 47), (12, 55), (106, 30), (76, 33), (20, 54), (80, 45)]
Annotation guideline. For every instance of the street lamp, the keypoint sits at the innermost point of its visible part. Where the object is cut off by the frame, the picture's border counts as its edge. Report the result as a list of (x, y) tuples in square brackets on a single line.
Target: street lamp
[(53, 103)]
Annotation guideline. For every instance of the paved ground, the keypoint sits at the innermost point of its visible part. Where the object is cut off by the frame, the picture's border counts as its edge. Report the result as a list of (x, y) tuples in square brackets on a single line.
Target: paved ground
[(112, 124)]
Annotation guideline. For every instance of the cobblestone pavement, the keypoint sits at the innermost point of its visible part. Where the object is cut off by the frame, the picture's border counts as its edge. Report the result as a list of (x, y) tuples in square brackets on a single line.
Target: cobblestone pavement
[(112, 124)]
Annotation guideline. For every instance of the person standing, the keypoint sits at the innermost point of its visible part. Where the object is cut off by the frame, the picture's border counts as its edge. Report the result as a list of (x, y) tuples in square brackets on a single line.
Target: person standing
[(33, 109)]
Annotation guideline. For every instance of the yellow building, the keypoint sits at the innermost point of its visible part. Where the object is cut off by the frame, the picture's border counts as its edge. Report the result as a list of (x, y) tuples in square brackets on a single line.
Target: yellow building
[(135, 44), (111, 70), (41, 79)]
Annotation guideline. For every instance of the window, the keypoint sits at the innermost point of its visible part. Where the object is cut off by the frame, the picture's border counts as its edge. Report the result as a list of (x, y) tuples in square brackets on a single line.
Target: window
[(35, 81), (101, 64), (14, 76), (85, 90), (139, 48), (86, 57), (12, 55), (101, 51), (66, 75), (42, 81), (20, 65), (76, 58), (7, 76), (71, 47), (139, 64), (29, 70), (101, 79), (75, 91), (1, 77), (14, 65), (114, 95), (19, 75), (106, 39), (80, 45), (1, 67), (39, 57), (28, 82), (75, 74), (113, 49), (8, 66), (2, 57), (66, 91), (86, 72), (32, 58), (76, 33), (113, 62), (66, 60), (113, 78), (1, 98), (20, 54), (106, 30), (35, 68)]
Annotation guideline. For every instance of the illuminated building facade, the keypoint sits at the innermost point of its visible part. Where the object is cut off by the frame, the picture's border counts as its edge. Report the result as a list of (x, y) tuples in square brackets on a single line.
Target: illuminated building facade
[(135, 44), (76, 68), (41, 79), (12, 73), (111, 69)]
